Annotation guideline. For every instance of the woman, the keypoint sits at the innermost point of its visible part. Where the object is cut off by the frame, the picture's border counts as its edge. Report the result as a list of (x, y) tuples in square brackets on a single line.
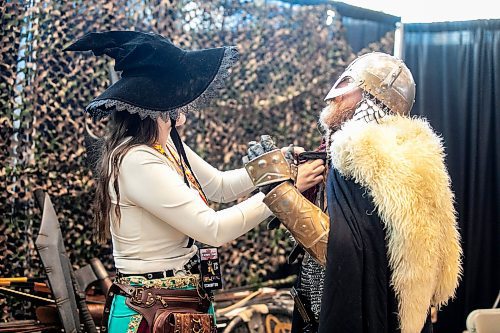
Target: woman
[(152, 190)]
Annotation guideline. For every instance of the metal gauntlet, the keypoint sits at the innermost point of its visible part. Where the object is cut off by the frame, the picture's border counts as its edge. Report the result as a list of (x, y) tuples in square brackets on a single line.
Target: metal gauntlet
[(308, 224), (269, 168)]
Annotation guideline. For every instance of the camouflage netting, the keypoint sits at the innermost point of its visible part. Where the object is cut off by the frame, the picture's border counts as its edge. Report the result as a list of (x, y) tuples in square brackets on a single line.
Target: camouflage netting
[(289, 59)]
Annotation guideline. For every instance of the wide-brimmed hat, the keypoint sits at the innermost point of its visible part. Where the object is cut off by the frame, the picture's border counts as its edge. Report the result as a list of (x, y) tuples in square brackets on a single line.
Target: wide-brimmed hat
[(157, 77)]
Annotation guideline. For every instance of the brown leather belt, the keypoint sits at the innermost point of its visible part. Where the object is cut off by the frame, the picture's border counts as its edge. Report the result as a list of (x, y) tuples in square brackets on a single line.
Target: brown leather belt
[(148, 301)]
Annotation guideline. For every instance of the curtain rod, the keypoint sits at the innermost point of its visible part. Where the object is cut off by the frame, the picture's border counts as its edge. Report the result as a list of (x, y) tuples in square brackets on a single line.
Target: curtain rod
[(453, 26), (351, 11)]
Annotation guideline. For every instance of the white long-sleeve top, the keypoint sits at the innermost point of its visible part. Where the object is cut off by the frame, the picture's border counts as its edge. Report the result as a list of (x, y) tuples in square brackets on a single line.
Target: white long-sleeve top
[(159, 212)]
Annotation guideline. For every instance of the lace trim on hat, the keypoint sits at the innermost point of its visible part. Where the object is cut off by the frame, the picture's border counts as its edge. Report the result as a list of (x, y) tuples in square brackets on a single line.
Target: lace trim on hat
[(104, 107)]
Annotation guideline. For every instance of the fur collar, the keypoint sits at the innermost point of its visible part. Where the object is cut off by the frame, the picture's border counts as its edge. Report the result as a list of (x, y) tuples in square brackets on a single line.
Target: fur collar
[(400, 162)]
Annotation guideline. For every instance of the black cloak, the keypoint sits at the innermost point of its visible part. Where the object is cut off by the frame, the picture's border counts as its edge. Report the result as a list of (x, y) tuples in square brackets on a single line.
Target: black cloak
[(357, 294)]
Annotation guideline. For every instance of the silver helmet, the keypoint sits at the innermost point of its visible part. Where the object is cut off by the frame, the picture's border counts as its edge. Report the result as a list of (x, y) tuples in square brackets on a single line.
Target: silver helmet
[(383, 76)]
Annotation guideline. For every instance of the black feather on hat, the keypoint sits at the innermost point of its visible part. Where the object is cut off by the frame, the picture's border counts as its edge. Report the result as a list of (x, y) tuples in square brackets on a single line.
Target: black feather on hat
[(158, 78)]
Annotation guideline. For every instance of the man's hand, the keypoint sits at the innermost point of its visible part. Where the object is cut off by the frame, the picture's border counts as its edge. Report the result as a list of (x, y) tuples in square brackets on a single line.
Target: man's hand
[(310, 174)]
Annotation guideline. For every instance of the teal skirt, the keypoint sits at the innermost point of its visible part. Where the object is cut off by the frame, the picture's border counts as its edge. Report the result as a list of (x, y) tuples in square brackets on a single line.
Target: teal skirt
[(123, 319)]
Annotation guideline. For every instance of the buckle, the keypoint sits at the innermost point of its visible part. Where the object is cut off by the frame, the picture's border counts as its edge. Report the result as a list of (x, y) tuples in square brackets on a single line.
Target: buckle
[(136, 296), (142, 296)]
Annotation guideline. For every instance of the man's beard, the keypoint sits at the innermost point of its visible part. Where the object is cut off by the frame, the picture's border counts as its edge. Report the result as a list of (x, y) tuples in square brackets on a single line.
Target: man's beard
[(334, 115)]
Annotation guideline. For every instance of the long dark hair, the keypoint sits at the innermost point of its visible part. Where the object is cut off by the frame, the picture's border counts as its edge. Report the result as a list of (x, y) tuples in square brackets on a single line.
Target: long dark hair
[(121, 125)]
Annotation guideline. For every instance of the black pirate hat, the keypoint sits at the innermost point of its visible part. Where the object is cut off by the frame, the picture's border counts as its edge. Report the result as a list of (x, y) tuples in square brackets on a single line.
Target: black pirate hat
[(157, 77)]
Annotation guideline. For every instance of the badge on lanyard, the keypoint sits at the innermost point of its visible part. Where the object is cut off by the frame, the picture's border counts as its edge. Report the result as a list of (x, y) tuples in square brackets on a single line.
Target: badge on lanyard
[(210, 268)]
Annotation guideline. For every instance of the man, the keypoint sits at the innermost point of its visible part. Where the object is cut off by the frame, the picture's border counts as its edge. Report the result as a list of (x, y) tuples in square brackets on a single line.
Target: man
[(390, 245), (308, 288)]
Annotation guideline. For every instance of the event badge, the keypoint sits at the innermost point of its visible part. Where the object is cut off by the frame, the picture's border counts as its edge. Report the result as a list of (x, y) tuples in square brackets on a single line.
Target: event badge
[(210, 268)]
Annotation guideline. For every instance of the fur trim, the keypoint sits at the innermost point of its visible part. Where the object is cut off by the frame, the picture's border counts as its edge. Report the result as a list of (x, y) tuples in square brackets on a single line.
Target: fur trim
[(400, 161)]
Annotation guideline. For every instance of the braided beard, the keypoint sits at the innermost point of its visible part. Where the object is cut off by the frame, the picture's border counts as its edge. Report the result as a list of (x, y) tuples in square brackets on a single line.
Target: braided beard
[(331, 119), (334, 115)]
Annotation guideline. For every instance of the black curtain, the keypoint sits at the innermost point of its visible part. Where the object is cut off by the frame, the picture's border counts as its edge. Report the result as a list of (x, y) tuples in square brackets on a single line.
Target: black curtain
[(456, 67), (364, 26)]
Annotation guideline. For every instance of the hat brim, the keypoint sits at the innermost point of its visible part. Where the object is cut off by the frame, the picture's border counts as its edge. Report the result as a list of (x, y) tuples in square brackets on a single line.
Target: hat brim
[(165, 91)]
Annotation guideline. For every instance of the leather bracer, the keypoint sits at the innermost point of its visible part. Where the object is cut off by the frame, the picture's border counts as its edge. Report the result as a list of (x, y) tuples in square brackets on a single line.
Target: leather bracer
[(308, 224)]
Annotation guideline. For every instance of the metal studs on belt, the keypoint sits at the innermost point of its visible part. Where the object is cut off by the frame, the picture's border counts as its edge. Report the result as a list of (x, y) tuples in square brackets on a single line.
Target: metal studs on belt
[(150, 299)]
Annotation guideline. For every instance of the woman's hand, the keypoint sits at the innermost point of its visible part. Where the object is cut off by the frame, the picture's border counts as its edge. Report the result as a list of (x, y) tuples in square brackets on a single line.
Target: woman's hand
[(310, 174)]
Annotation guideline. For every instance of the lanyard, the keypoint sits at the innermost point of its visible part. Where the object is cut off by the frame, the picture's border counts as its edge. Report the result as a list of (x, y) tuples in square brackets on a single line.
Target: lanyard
[(176, 161)]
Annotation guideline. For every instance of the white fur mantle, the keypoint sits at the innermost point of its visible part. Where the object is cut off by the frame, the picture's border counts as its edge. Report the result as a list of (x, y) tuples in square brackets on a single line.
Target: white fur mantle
[(400, 162)]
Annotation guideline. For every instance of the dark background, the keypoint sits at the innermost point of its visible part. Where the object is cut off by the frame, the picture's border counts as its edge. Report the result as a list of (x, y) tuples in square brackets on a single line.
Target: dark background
[(457, 70)]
